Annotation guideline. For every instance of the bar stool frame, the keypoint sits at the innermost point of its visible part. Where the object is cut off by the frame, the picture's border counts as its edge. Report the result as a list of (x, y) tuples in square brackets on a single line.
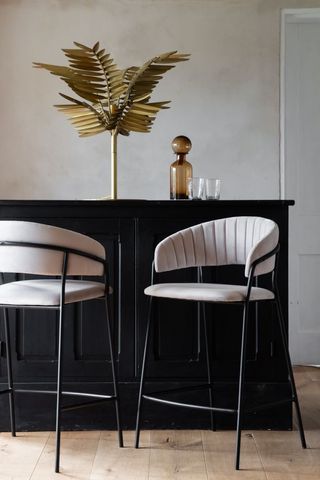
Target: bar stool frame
[(95, 398), (239, 410)]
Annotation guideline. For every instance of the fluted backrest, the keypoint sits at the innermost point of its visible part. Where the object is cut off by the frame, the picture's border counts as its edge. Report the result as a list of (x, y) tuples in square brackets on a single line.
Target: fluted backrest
[(42, 261), (227, 241)]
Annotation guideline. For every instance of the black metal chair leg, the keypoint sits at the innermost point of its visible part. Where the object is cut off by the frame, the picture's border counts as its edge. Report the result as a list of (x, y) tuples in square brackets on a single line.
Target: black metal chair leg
[(59, 388), (290, 371), (209, 370), (241, 382), (114, 376), (9, 370), (140, 399)]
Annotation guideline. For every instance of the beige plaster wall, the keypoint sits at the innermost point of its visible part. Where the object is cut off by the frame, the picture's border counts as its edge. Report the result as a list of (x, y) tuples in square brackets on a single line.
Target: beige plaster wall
[(226, 98)]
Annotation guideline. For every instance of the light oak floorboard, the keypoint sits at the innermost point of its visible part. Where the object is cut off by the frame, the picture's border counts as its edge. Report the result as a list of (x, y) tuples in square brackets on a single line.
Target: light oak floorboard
[(219, 450), (309, 397), (311, 372), (128, 463), (281, 453), (76, 460), (301, 376), (82, 434), (314, 373), (177, 454), (283, 458), (19, 455)]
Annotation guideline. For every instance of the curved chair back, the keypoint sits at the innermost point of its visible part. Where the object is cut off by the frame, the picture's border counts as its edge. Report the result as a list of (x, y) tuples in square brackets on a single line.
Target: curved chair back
[(44, 261), (227, 241)]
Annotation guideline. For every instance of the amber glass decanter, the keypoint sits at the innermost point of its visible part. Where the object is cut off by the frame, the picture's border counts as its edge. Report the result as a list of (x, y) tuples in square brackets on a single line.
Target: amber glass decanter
[(181, 169)]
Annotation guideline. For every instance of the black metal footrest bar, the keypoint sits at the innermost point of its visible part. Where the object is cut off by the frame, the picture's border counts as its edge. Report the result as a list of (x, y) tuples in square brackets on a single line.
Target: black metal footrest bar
[(76, 394), (152, 397), (89, 395), (8, 390), (189, 405)]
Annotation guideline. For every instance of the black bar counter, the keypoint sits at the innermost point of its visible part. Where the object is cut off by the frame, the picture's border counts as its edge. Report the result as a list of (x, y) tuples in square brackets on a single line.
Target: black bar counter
[(130, 230)]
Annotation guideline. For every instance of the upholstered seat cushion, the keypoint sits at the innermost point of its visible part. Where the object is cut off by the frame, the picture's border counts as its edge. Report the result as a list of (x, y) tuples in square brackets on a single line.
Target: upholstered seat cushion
[(47, 292), (207, 292)]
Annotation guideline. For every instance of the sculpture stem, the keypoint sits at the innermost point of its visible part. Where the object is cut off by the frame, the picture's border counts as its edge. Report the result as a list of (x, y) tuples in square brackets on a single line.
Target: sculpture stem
[(114, 179)]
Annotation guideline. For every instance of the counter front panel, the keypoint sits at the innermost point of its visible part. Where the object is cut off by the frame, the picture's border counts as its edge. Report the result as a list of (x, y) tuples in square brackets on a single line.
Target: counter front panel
[(130, 230)]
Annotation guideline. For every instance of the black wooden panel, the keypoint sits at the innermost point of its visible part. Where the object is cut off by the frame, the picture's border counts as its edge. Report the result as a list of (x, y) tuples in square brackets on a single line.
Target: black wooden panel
[(36, 335), (176, 332), (90, 336)]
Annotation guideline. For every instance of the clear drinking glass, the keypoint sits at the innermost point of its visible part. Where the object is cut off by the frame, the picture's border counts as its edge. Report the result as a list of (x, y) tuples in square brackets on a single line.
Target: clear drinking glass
[(196, 188), (212, 188)]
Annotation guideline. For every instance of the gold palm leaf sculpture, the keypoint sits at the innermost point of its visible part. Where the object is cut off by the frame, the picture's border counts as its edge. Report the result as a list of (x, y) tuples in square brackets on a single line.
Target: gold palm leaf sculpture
[(112, 100)]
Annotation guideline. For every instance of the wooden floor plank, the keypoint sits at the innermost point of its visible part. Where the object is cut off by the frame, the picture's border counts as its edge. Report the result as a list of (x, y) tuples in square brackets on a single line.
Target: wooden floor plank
[(219, 449), (19, 455), (128, 463), (309, 397), (283, 458), (177, 455), (301, 376), (85, 434), (313, 373), (162, 455), (77, 457), (304, 374)]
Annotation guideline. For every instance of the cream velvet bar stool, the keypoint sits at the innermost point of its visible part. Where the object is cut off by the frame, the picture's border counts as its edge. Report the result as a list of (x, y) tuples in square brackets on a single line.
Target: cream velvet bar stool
[(33, 248), (249, 241)]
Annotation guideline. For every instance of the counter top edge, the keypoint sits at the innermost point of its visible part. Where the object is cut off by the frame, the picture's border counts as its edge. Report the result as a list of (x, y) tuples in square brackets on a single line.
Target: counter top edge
[(140, 203)]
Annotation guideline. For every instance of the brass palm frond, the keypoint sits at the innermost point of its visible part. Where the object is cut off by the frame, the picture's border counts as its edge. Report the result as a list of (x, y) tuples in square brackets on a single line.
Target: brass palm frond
[(91, 74), (142, 80), (112, 99), (139, 116), (88, 119)]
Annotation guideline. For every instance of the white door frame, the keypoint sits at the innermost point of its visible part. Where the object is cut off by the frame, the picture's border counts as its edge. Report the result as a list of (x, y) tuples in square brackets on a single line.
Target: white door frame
[(288, 15)]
